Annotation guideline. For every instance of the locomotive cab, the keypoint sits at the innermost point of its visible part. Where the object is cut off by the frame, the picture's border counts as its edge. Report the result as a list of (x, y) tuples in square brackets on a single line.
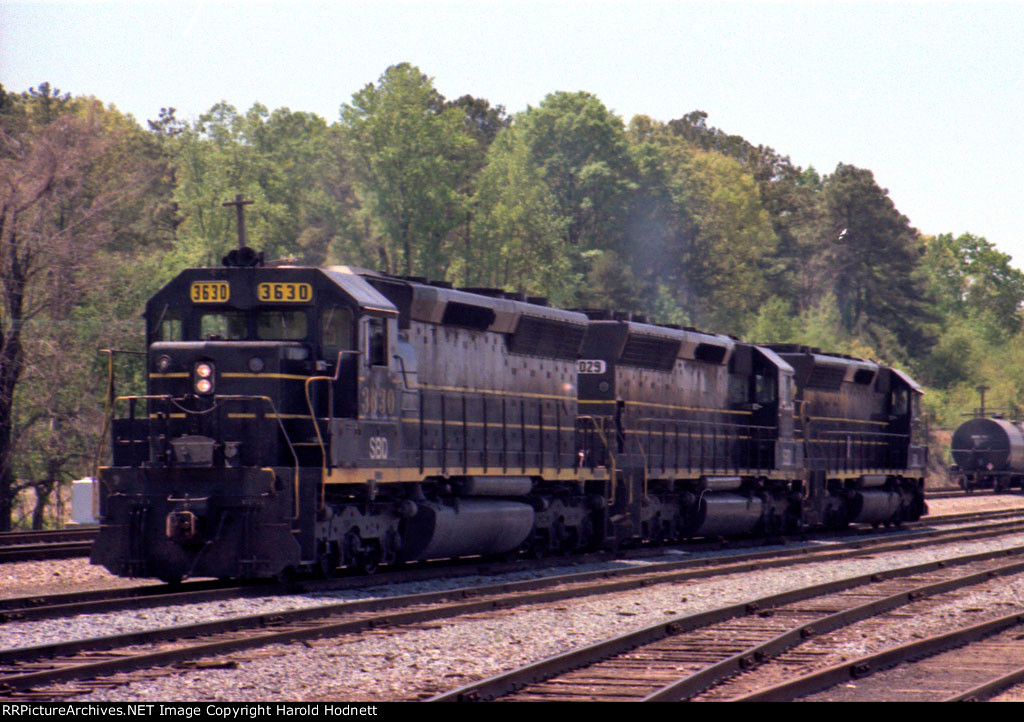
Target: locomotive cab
[(249, 369), (281, 349)]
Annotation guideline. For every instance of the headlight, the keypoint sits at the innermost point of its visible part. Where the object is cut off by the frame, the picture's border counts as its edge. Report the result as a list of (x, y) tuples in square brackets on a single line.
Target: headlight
[(256, 364), (204, 378), (163, 364)]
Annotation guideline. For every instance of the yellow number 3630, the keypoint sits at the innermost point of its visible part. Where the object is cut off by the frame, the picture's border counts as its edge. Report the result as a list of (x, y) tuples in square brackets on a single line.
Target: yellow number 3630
[(284, 292)]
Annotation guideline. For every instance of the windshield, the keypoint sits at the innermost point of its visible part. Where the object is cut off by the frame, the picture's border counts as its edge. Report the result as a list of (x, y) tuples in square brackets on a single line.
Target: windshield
[(281, 325), (287, 325), (225, 325)]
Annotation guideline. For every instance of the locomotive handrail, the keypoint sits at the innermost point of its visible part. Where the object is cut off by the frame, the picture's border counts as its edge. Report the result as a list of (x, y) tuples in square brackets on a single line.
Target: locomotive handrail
[(405, 379), (815, 440), (108, 413), (108, 409), (599, 429), (330, 417), (230, 397), (731, 433)]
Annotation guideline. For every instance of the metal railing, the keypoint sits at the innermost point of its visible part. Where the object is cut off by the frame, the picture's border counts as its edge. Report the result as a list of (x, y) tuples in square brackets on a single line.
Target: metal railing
[(178, 404), (705, 446), (848, 450)]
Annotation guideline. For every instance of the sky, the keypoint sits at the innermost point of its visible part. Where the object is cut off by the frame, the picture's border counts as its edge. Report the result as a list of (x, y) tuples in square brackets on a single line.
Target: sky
[(929, 96)]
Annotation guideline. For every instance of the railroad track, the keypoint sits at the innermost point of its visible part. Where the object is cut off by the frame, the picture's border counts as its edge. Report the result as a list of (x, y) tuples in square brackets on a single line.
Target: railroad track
[(48, 544), (970, 663), (69, 604), (961, 494), (710, 655), (72, 543), (22, 670)]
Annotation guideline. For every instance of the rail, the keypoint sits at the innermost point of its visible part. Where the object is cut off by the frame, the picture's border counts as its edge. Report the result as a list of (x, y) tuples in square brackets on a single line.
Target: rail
[(179, 404), (848, 450), (708, 445), (332, 380), (460, 430)]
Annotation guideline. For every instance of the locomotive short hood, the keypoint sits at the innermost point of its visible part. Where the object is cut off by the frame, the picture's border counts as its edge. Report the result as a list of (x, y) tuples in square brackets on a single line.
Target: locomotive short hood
[(240, 287)]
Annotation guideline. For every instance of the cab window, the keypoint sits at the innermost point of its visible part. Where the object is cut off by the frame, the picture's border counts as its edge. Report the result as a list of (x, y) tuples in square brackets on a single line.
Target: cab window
[(764, 388), (170, 329), (226, 325), (281, 325), (376, 342), (900, 402), (336, 330)]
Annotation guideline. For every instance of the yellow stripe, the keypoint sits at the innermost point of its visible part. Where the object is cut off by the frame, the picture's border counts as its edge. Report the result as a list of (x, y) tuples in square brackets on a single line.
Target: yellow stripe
[(176, 375), (687, 408), (394, 474), (849, 421), (496, 425), (462, 389), (275, 416), (668, 406), (238, 375), (391, 475)]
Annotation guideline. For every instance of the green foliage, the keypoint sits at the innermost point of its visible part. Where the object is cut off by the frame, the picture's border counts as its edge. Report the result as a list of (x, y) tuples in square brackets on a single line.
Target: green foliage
[(818, 327), (77, 206), (290, 164), (699, 227), (517, 239), (581, 150), (868, 259), (678, 220), (409, 153), (971, 280)]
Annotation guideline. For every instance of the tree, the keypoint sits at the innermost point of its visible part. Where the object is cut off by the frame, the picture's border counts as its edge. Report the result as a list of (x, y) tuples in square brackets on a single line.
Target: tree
[(869, 259), (698, 228), (788, 194), (972, 280), (410, 152), (581, 150), (61, 193), (518, 237)]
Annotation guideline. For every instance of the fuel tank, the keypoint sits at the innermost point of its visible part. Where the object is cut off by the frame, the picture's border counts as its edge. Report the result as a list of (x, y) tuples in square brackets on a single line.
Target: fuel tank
[(724, 514), (989, 445)]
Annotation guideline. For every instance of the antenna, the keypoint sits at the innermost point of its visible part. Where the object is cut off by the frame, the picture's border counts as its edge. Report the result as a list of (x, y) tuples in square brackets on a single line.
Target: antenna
[(239, 205), (243, 256)]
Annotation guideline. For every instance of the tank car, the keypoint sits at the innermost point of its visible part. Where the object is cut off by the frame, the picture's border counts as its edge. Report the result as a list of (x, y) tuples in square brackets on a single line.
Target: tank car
[(988, 453), (301, 418)]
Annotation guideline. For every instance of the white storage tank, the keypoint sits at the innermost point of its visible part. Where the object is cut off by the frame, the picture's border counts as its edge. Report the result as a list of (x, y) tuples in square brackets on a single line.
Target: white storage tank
[(81, 501)]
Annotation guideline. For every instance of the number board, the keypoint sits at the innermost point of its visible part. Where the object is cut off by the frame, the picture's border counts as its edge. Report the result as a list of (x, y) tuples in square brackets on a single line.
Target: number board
[(210, 292), (284, 293), (591, 366)]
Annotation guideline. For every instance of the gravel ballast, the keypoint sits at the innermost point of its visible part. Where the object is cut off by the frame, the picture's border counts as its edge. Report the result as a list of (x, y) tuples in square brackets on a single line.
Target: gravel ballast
[(418, 662)]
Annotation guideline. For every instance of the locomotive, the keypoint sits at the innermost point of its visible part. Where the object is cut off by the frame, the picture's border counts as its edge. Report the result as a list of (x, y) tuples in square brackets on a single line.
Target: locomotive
[(316, 418)]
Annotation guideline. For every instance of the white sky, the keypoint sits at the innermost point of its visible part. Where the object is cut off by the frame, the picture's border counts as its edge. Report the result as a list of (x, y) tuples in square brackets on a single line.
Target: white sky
[(929, 96)]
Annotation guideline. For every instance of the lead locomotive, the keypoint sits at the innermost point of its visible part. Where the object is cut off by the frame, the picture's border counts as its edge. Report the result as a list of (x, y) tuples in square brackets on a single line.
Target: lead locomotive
[(304, 418)]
